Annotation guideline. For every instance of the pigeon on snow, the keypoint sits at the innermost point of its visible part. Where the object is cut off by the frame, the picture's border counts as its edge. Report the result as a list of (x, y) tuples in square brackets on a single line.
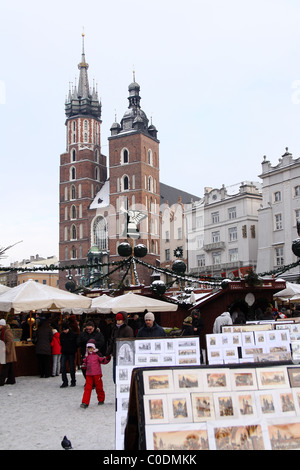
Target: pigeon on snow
[(66, 444)]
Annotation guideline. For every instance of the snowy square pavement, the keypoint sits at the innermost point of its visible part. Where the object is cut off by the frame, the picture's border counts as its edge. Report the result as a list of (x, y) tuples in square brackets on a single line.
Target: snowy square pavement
[(37, 414)]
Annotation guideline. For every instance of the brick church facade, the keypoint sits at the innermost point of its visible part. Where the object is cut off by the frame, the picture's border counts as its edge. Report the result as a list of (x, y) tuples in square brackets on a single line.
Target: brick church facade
[(94, 206)]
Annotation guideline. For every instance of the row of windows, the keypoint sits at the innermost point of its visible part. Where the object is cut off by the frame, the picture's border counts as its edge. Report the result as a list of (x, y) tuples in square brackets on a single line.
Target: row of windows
[(277, 195), (71, 193), (87, 130), (74, 156), (215, 216), (125, 157), (278, 220), (124, 183), (72, 174)]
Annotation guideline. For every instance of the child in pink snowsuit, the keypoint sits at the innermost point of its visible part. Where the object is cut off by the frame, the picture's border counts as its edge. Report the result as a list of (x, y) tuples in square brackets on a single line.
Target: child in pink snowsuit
[(92, 363)]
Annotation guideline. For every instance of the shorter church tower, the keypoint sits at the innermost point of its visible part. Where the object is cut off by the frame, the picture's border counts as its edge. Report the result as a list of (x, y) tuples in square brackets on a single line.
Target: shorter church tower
[(83, 171), (134, 181)]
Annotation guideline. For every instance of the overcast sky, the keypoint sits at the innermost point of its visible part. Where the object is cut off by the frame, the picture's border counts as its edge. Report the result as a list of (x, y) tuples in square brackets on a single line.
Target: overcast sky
[(221, 80)]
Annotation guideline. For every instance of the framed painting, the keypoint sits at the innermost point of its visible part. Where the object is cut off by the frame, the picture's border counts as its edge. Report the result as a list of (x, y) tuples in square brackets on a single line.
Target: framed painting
[(266, 403), (187, 380), (284, 435), (158, 381), (243, 379), (202, 406), (180, 408), (236, 435), (294, 376), (225, 405), (156, 409), (286, 402), (215, 380), (215, 355), (187, 437), (272, 377), (246, 404)]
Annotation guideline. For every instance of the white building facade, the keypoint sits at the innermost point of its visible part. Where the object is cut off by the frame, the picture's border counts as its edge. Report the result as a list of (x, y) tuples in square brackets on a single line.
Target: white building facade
[(222, 231), (278, 215)]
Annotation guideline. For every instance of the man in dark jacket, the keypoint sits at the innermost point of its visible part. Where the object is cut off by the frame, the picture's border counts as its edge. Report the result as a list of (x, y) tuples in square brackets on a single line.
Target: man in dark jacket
[(120, 330), (151, 329), (91, 332), (68, 342)]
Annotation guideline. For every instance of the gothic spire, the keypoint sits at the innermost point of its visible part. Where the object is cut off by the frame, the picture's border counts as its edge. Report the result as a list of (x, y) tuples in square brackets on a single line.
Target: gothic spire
[(83, 85), (82, 101)]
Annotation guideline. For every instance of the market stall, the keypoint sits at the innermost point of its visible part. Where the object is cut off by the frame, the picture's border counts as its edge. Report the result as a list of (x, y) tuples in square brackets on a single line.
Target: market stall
[(30, 297)]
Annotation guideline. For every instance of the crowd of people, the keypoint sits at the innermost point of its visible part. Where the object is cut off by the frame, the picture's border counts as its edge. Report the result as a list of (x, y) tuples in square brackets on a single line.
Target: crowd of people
[(64, 344)]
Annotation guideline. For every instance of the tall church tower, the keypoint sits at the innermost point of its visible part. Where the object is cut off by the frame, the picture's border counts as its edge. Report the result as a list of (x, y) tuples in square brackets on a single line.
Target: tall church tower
[(134, 180), (83, 171)]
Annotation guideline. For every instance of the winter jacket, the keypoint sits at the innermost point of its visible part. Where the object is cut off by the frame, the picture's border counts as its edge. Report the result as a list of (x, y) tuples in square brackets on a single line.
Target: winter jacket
[(155, 331), (123, 331), (84, 337), (7, 337), (222, 320), (92, 362), (55, 344), (68, 342), (43, 337)]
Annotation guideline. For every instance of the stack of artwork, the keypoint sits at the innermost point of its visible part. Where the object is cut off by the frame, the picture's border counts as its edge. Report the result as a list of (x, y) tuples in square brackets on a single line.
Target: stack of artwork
[(152, 352), (221, 408), (231, 347)]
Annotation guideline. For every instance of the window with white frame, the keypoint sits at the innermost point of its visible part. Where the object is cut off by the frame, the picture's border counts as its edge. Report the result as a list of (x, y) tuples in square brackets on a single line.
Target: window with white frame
[(297, 190), (297, 216), (199, 242), (216, 257), (200, 260), (232, 234), (215, 237), (277, 196), (215, 217), (278, 222), (167, 254), (279, 260), (233, 255), (232, 213), (124, 156)]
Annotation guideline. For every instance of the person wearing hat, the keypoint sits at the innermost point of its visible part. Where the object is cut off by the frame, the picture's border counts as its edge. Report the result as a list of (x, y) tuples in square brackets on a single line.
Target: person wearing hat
[(90, 332), (7, 375), (151, 329), (187, 327), (92, 363), (121, 329)]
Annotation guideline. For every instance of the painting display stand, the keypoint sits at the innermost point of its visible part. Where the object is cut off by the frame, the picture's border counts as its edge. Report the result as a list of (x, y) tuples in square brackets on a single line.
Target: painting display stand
[(236, 407)]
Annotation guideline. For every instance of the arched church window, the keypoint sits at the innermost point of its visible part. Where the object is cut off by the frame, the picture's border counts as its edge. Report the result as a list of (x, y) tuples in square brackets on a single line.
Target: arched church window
[(125, 183), (73, 155), (100, 233), (73, 192), (124, 156), (73, 173), (73, 232)]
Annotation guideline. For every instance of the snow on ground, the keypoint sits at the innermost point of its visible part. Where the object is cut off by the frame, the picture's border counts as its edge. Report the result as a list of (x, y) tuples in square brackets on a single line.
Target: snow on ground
[(36, 414)]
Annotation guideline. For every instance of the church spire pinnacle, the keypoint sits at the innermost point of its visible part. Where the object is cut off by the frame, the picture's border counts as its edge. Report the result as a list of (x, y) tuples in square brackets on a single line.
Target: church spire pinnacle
[(82, 100)]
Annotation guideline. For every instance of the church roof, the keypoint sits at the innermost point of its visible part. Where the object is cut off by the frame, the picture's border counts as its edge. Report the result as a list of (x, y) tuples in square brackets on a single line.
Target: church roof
[(170, 195)]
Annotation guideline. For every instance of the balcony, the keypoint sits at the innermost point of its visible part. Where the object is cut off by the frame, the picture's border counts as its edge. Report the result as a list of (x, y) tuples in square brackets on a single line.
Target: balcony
[(214, 246)]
